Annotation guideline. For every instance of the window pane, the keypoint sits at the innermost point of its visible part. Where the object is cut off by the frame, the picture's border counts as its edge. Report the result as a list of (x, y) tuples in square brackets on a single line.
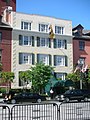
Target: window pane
[(60, 60), (59, 30), (44, 42), (81, 45), (60, 76), (27, 58), (43, 28), (25, 40), (25, 25), (44, 59)]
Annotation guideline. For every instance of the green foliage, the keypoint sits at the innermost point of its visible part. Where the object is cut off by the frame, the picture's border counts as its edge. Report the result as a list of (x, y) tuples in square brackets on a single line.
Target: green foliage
[(40, 75), (24, 76), (7, 76), (88, 78), (73, 76)]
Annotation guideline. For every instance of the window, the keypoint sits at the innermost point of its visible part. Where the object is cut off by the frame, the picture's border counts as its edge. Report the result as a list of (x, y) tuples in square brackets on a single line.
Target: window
[(61, 44), (0, 56), (81, 61), (43, 28), (25, 25), (59, 30), (44, 42), (26, 40), (43, 58), (81, 45), (59, 60), (0, 36), (26, 58), (60, 76)]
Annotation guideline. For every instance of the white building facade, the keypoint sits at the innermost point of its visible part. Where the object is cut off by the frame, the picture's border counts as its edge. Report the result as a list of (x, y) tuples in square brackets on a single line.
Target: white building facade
[(31, 44)]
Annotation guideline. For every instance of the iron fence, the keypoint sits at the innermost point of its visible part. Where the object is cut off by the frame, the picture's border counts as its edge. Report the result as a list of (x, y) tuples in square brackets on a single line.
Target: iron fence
[(35, 112), (74, 111), (4, 112), (46, 111)]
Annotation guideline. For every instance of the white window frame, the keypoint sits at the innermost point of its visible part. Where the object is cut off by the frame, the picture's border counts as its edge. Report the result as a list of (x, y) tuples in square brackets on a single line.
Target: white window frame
[(60, 60), (60, 75), (28, 40), (44, 42), (59, 30), (27, 58), (44, 59), (43, 28), (60, 43), (81, 61), (25, 25)]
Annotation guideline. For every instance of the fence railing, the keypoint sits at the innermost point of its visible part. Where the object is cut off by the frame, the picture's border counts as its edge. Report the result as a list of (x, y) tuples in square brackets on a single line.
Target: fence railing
[(46, 111), (4, 112)]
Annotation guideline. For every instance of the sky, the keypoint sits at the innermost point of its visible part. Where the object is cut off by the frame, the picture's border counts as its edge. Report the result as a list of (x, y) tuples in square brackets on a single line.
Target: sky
[(78, 11)]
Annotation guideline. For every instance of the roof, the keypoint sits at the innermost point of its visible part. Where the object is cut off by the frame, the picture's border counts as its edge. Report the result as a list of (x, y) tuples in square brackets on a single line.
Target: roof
[(78, 26)]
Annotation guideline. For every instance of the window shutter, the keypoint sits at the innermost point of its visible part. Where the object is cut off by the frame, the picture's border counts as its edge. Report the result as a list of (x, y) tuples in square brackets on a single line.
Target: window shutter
[(55, 74), (50, 60), (20, 39), (32, 40), (66, 61), (20, 58), (54, 60), (37, 58), (54, 43), (33, 59), (49, 43), (38, 41), (65, 44), (39, 27)]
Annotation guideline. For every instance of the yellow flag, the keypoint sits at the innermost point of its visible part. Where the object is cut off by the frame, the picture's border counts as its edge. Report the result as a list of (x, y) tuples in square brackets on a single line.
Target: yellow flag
[(51, 33)]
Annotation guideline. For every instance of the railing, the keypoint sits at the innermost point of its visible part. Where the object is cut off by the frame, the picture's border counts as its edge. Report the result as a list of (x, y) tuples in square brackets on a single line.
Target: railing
[(4, 112), (46, 111)]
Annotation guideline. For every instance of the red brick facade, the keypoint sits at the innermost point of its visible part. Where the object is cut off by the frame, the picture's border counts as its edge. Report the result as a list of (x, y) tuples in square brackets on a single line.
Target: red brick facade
[(83, 36), (5, 47)]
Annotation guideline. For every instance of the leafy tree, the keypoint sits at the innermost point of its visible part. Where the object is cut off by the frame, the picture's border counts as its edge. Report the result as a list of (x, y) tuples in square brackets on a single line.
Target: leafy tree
[(7, 77), (24, 76), (75, 77), (40, 75)]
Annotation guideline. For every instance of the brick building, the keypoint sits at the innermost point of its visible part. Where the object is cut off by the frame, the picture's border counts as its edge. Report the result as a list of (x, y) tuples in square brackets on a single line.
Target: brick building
[(81, 45)]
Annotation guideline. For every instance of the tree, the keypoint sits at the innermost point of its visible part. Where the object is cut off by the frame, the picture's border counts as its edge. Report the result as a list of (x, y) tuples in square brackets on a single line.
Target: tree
[(40, 75), (75, 77), (24, 76), (7, 77)]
